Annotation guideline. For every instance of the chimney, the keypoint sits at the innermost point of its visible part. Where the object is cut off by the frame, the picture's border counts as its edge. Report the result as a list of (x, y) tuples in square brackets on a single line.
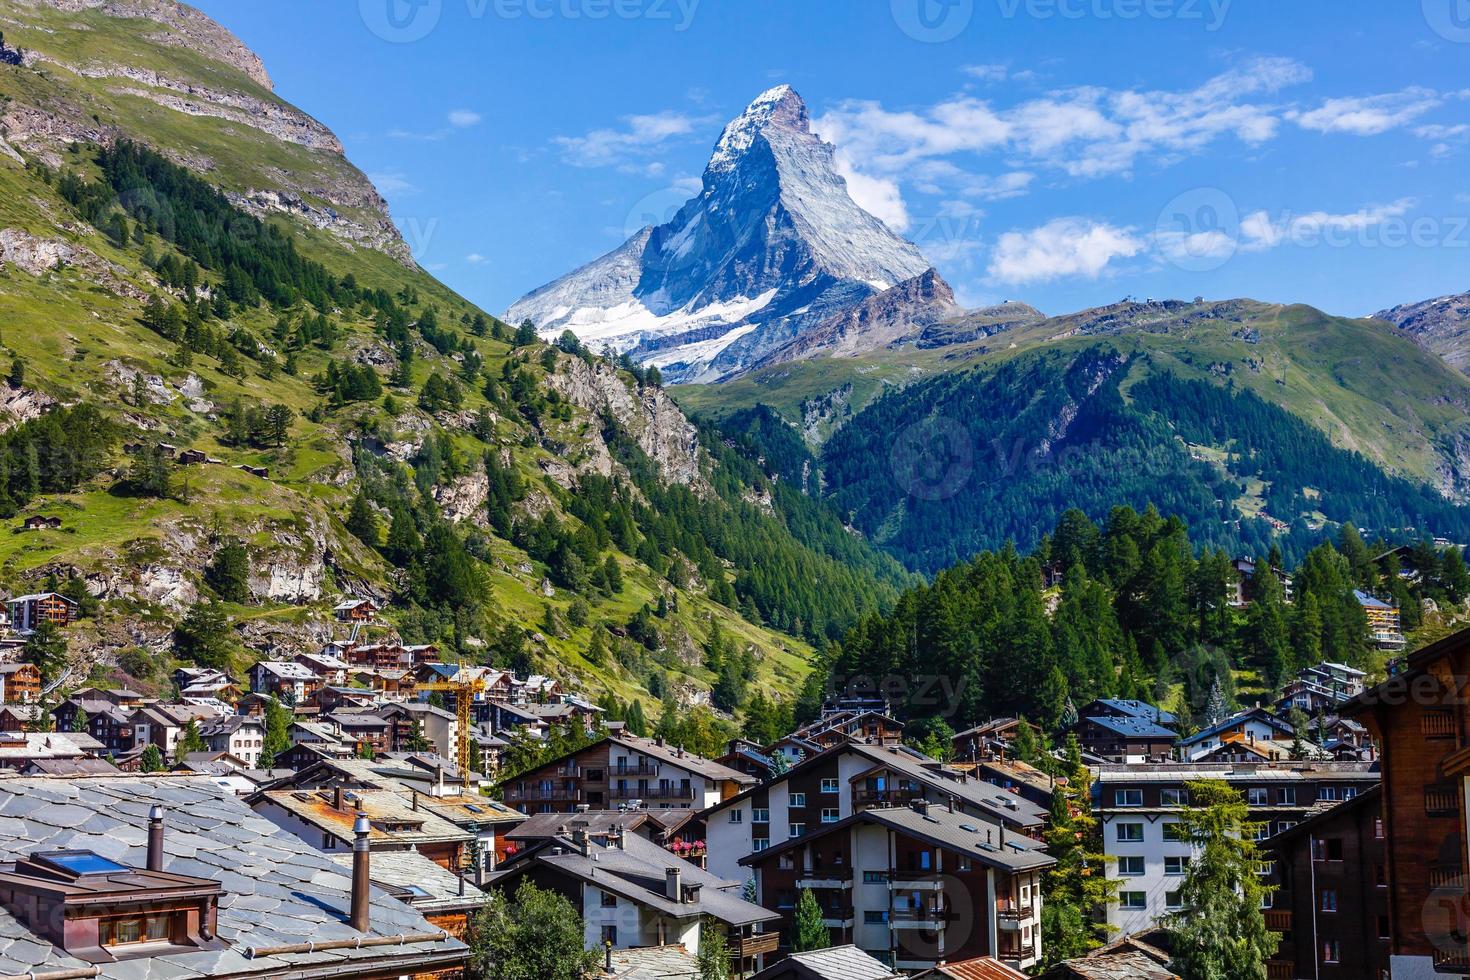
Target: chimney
[(337, 798), (361, 874), (615, 839), (584, 808), (155, 839), (673, 877), (920, 806), (439, 779)]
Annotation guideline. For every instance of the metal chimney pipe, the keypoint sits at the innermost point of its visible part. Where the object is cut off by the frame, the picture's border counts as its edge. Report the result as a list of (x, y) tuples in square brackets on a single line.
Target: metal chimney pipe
[(155, 838), (361, 874)]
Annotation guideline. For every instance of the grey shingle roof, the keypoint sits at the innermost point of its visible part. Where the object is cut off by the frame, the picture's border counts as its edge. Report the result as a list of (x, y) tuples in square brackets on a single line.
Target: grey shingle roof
[(278, 890), (835, 963)]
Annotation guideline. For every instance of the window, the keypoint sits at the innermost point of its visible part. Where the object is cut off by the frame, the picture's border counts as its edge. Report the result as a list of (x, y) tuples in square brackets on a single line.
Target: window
[(829, 786), (610, 935), (1258, 796), (1130, 867), (875, 877), (1380, 876), (1329, 900), (1173, 900), (797, 829), (786, 900), (1175, 832), (1378, 827), (875, 917), (1282, 826), (788, 861), (1331, 793), (1128, 797), (1383, 927), (1286, 796), (964, 864), (1330, 951), (594, 775), (126, 930), (1260, 831), (1130, 832), (760, 815), (797, 799), (1176, 865), (609, 900), (760, 843), (829, 815), (1173, 797), (1133, 900), (737, 815)]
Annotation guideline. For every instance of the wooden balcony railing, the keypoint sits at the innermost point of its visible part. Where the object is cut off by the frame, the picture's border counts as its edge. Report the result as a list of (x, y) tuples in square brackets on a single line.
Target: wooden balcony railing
[(1278, 920), (1437, 724), (652, 793), (1280, 970), (1441, 802), (762, 943)]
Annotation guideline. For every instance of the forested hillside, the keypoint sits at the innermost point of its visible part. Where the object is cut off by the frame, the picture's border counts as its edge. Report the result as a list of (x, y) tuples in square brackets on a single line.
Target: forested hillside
[(1130, 608), (980, 457)]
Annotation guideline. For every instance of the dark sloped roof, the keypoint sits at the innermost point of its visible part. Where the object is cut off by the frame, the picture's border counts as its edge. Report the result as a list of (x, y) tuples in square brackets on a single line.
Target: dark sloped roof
[(278, 890), (834, 963)]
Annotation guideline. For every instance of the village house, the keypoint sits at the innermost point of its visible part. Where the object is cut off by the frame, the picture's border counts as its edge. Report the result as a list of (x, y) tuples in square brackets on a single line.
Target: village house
[(290, 682), (356, 611), (333, 670), (109, 722), (870, 727), (445, 899), (836, 963), (913, 886), (39, 522), (620, 770), (19, 749), (27, 612), (1240, 590), (987, 740), (1125, 731), (632, 893), (1331, 901), (831, 786), (1422, 725), (1255, 725), (365, 732), (408, 719), (146, 874), (1137, 807), (1384, 630), (20, 683), (239, 736), (326, 818)]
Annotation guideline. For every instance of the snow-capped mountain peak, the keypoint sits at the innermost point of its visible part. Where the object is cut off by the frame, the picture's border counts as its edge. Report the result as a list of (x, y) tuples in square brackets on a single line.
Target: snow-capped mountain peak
[(771, 245)]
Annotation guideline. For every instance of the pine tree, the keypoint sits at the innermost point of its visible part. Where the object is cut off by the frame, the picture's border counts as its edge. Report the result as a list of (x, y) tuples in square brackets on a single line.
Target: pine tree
[(1220, 934), (808, 931), (361, 522), (714, 952), (151, 760)]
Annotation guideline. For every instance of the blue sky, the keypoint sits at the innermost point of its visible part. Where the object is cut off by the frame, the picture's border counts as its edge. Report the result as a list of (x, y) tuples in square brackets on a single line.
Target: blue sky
[(1063, 152)]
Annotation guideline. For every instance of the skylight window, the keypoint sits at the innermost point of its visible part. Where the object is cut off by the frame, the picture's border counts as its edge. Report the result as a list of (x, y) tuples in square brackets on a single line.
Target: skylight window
[(416, 891), (82, 862)]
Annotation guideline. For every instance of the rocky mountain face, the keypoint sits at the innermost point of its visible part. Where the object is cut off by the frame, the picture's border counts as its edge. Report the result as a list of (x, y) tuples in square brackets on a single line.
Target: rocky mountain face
[(113, 60), (1441, 325), (771, 247)]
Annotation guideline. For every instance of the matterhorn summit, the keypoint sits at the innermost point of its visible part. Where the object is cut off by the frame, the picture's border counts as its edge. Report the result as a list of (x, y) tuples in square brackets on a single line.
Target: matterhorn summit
[(771, 246)]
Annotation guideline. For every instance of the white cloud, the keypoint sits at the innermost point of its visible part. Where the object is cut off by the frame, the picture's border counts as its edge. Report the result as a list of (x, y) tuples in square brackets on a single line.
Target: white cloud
[(642, 135), (879, 196), (392, 182), (1061, 247), (1369, 115), (464, 118), (475, 258), (987, 73), (1259, 231)]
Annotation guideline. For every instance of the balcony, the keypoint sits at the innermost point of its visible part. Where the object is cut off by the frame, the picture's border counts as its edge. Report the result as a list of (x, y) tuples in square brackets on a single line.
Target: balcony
[(915, 881), (1017, 954), (542, 793), (867, 797), (1452, 960), (1278, 920), (759, 944), (1441, 803), (641, 769), (838, 917), (917, 919), (1012, 915), (825, 878), (652, 792), (1280, 970), (1444, 874)]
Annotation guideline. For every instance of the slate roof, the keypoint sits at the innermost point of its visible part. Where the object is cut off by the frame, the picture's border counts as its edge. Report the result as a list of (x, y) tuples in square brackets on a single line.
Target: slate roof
[(402, 869), (49, 745), (278, 891), (635, 871), (1111, 966), (1252, 714), (379, 805), (980, 968), (652, 963), (834, 963), (1133, 708), (1131, 727)]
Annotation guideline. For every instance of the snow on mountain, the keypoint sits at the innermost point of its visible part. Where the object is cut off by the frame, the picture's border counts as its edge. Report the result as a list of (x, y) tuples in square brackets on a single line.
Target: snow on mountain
[(770, 246)]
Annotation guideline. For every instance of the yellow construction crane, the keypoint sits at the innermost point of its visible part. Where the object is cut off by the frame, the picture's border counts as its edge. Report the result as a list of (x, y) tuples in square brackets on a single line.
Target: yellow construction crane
[(464, 701)]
